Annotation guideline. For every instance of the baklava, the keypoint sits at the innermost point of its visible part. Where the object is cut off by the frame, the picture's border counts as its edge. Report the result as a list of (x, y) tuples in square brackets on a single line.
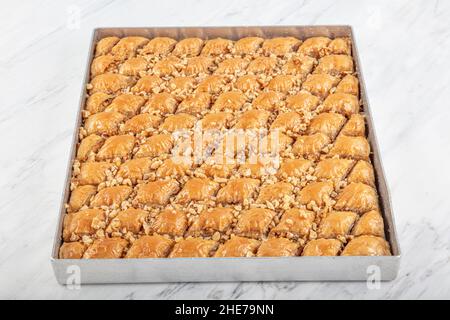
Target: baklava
[(222, 148)]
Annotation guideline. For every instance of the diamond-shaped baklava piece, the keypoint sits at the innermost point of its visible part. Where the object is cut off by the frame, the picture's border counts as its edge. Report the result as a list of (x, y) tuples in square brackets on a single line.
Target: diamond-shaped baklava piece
[(155, 145), (238, 247), (343, 103), (351, 147), (238, 190), (302, 102), (340, 46), (109, 83), (315, 47), (319, 84), (248, 83), (370, 223), (322, 247), (83, 223), (278, 191), (107, 248), (111, 196), (231, 100), (232, 66), (134, 66), (220, 168), (335, 64), (154, 246), (105, 45), (333, 169), (188, 47), (262, 65), (97, 102), (336, 224), (162, 102), (171, 222), (327, 123), (134, 169), (104, 123), (357, 197), (362, 172), (212, 84), (355, 126), (211, 221), (248, 45), (101, 64), (80, 196), (89, 145), (288, 121), (116, 147), (216, 121), (94, 172), (367, 246), (147, 84), (157, 192), (141, 123), (128, 46), (167, 67), (193, 248), (280, 46), (299, 65), (278, 247), (254, 222), (196, 103), (310, 146), (217, 46), (181, 86), (129, 220), (295, 223), (174, 167), (198, 65), (159, 46), (319, 192), (71, 250), (197, 189), (179, 121), (126, 104), (349, 84), (268, 100), (283, 83), (294, 168), (253, 119)]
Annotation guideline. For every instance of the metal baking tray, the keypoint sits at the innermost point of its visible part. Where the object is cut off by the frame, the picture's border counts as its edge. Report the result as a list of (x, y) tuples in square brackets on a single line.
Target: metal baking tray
[(338, 268)]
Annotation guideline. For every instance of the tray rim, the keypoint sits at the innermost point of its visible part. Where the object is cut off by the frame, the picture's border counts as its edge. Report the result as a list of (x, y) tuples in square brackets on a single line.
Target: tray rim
[(380, 173)]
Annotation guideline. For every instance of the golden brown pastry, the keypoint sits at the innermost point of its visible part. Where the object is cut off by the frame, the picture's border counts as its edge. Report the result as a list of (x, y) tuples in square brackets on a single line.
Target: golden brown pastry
[(154, 246), (278, 247), (238, 247), (238, 190), (157, 192), (221, 147), (107, 248), (193, 247), (367, 246), (171, 222), (322, 247), (295, 223), (357, 197)]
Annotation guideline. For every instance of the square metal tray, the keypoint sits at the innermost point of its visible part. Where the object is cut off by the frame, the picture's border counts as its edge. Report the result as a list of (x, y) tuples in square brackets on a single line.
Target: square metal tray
[(338, 268)]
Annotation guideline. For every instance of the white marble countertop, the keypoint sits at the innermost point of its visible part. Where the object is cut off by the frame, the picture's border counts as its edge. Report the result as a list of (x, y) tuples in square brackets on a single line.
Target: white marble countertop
[(404, 48)]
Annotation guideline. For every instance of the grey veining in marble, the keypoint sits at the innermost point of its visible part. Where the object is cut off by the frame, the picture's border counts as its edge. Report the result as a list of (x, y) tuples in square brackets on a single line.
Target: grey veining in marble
[(404, 48)]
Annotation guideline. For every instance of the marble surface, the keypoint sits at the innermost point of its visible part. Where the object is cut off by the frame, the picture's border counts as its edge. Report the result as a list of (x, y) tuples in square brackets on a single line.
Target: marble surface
[(404, 47)]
